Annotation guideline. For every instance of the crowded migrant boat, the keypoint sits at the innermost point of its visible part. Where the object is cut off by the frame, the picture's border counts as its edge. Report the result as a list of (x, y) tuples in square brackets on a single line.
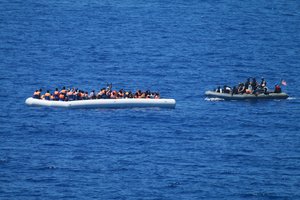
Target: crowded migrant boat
[(73, 94)]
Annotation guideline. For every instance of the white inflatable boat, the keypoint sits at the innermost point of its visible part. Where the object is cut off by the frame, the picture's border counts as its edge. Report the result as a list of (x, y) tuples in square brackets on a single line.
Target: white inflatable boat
[(226, 96), (105, 103)]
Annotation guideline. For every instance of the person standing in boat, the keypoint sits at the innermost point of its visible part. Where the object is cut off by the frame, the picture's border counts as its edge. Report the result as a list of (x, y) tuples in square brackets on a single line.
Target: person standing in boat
[(263, 86), (254, 84), (247, 83), (263, 83)]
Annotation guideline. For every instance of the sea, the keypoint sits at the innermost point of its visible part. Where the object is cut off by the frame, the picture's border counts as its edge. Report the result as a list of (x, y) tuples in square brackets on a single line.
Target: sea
[(202, 149)]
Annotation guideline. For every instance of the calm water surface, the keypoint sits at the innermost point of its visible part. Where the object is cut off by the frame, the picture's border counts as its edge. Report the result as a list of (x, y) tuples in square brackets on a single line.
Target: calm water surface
[(200, 150)]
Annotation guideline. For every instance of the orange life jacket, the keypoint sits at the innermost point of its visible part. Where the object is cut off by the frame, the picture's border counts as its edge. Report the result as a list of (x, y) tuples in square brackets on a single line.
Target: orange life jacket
[(56, 93), (62, 96), (47, 94)]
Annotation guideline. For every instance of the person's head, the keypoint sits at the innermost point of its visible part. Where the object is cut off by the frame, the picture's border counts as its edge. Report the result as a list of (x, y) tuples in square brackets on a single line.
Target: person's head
[(48, 91), (64, 88), (41, 90)]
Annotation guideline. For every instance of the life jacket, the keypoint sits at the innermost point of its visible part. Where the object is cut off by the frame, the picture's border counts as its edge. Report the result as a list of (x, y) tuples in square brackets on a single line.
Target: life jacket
[(47, 96), (277, 89), (79, 96), (37, 95), (61, 97), (56, 93), (63, 91)]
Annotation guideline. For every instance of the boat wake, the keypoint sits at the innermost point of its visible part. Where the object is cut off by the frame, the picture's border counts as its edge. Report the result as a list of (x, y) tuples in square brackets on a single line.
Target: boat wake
[(213, 99)]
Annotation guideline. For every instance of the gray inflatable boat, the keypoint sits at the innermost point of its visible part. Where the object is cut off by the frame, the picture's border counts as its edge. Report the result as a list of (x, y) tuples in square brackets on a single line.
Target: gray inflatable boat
[(226, 96)]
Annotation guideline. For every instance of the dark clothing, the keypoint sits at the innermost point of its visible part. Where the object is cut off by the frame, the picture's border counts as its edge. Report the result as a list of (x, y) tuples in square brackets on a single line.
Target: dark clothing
[(277, 89), (254, 84), (247, 84)]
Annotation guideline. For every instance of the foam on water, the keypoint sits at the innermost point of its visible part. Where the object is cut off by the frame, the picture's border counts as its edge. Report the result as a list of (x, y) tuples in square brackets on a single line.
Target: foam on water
[(213, 99)]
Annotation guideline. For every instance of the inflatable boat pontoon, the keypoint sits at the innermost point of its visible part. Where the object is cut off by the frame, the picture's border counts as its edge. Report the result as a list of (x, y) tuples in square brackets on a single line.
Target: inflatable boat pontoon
[(226, 96), (105, 103)]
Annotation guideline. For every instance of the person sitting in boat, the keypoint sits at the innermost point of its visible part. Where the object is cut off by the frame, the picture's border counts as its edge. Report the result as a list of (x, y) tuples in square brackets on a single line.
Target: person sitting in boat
[(56, 94), (226, 89), (261, 90), (128, 95), (241, 88), (47, 95), (92, 95), (61, 97), (121, 94), (80, 95), (63, 91), (219, 90), (114, 95), (100, 94), (157, 95), (277, 89), (86, 95), (37, 94), (234, 90), (77, 94), (138, 94), (70, 95)]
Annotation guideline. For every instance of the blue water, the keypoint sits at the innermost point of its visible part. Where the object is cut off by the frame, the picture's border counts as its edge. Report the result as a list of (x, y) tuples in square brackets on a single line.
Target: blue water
[(200, 150)]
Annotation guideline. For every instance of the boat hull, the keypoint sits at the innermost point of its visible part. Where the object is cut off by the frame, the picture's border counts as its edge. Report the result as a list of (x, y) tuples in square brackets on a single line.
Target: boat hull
[(225, 96), (105, 103)]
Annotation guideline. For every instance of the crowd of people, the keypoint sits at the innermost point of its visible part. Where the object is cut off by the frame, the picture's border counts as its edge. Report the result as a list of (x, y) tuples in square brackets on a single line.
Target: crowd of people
[(251, 86), (105, 93)]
